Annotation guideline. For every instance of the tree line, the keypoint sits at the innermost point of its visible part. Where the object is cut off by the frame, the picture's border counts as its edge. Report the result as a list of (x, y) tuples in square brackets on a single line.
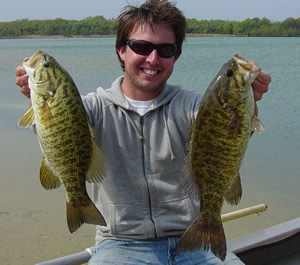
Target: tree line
[(254, 27), (98, 25)]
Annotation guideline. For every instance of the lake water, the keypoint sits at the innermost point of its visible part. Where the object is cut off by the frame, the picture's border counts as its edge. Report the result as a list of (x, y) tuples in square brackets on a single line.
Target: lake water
[(32, 220)]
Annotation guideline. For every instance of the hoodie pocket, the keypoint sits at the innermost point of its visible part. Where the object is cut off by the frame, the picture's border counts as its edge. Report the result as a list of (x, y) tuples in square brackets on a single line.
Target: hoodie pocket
[(173, 217), (131, 220)]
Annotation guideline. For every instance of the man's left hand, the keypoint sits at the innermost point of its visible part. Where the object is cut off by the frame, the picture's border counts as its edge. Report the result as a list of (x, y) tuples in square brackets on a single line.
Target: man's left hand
[(261, 85)]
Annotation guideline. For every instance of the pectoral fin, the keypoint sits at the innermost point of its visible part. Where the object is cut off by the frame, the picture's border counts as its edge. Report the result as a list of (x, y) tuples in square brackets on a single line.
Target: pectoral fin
[(48, 180), (234, 125), (257, 125), (45, 115), (27, 119)]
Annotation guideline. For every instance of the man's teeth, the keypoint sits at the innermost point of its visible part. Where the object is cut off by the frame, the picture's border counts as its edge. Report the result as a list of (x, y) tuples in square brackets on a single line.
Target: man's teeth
[(150, 72)]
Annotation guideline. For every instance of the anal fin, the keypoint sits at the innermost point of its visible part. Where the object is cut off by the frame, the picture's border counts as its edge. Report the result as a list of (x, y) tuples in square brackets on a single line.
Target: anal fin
[(48, 180)]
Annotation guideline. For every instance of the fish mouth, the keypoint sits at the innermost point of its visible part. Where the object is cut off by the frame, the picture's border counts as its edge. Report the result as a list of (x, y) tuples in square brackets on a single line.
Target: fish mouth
[(29, 67), (249, 69), (34, 59)]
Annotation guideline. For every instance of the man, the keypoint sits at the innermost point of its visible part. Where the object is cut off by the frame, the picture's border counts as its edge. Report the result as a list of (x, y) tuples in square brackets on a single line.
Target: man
[(142, 125)]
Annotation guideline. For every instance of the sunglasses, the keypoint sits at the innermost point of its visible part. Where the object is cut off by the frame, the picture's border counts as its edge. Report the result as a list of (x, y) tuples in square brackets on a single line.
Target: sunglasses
[(141, 47)]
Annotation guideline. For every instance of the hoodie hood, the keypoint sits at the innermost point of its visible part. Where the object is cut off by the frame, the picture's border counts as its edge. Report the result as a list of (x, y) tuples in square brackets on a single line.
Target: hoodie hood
[(115, 95)]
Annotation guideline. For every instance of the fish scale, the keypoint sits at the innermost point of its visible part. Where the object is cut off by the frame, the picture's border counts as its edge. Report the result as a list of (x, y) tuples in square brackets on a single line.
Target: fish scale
[(219, 138), (70, 154), (64, 151)]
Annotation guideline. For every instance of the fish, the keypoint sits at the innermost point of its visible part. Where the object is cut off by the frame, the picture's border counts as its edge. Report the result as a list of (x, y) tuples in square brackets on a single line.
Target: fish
[(218, 141), (67, 139)]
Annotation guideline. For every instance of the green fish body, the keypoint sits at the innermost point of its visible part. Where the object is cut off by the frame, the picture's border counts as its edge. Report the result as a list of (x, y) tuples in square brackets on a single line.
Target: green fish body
[(219, 138), (70, 154)]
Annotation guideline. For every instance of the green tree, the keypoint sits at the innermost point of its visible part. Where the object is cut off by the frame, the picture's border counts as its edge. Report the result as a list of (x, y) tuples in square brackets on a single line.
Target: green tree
[(100, 25)]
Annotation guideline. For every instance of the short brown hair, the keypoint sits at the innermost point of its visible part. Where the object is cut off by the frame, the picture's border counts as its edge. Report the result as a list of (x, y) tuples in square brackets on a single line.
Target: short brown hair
[(151, 12)]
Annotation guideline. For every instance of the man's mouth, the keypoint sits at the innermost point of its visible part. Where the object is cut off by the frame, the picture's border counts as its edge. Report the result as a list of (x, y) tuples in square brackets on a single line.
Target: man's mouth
[(149, 71)]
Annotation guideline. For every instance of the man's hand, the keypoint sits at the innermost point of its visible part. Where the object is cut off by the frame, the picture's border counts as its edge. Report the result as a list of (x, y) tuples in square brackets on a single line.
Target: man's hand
[(22, 80), (261, 85)]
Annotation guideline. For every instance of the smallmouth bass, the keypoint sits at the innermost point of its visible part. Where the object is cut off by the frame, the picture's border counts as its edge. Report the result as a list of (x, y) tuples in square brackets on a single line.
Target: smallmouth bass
[(66, 138), (219, 139)]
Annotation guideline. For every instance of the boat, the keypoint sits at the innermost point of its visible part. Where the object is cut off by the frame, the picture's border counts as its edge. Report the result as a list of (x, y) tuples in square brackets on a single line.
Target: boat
[(275, 245)]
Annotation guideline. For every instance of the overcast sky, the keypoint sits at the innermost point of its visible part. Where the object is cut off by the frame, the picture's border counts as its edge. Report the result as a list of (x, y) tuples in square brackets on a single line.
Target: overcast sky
[(275, 10)]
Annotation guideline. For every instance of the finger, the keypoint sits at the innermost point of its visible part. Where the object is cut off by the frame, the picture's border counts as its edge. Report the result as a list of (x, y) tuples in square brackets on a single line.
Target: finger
[(257, 95), (22, 80), (264, 78), (25, 90), (260, 87), (20, 70), (255, 109)]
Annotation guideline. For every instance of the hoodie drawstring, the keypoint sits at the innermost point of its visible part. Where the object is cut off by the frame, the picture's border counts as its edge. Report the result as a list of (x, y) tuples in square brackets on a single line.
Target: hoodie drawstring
[(168, 133), (140, 137)]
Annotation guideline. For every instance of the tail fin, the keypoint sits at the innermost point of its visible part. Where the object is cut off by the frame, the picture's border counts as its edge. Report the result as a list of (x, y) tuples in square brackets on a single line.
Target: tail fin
[(209, 236), (88, 213)]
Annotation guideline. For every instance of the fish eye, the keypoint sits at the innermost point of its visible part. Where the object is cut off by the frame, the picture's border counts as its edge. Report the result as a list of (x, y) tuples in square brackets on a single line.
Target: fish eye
[(229, 73), (46, 64)]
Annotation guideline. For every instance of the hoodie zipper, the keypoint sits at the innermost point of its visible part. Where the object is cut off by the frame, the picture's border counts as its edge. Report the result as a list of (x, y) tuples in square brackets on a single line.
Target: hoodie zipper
[(144, 172)]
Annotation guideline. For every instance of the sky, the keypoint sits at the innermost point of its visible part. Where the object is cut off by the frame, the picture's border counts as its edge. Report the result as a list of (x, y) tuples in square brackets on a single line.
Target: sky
[(238, 10)]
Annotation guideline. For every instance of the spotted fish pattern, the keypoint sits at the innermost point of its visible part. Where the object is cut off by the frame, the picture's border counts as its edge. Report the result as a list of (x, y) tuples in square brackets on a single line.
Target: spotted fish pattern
[(219, 138), (70, 154)]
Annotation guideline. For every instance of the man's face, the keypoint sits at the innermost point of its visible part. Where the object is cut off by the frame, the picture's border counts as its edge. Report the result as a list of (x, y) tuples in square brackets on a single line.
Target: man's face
[(145, 75)]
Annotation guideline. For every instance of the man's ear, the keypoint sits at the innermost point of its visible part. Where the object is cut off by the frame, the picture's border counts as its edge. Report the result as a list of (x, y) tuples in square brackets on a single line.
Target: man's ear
[(121, 52)]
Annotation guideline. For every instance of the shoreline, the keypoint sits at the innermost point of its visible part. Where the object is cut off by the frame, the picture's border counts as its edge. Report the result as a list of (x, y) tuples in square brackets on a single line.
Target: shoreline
[(100, 36)]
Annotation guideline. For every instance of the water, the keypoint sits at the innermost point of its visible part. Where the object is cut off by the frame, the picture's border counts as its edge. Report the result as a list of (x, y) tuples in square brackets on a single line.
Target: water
[(32, 220)]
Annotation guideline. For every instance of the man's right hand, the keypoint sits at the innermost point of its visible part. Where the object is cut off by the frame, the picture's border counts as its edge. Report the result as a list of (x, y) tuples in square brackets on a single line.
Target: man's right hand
[(22, 79)]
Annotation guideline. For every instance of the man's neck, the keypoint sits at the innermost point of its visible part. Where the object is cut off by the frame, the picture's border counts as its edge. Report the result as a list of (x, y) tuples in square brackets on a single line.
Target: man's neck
[(139, 94)]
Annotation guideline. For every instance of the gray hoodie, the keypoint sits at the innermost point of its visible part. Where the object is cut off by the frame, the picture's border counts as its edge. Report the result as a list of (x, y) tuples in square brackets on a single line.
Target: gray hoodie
[(140, 196)]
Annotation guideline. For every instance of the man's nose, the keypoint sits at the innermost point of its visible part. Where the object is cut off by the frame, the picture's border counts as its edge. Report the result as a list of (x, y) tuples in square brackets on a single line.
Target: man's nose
[(153, 57)]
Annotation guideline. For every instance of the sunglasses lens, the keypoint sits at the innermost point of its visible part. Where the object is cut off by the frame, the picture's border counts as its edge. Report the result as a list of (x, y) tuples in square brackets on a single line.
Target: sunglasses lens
[(165, 50), (141, 47)]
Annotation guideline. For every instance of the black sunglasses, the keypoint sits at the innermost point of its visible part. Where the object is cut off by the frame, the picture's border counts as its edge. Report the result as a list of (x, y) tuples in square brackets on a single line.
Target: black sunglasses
[(141, 47)]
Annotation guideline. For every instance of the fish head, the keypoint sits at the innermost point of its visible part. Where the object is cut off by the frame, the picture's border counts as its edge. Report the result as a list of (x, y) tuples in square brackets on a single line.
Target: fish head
[(42, 70), (234, 81)]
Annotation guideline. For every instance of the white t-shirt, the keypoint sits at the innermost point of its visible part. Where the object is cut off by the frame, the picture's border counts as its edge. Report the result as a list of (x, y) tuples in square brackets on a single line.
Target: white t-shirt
[(139, 106)]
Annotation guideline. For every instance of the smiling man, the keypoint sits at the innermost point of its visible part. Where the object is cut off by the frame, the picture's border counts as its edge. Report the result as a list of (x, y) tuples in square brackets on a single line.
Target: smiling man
[(146, 70), (142, 124)]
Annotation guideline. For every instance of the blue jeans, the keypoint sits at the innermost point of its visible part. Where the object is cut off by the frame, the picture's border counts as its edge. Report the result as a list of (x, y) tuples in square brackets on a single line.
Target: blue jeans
[(153, 252)]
